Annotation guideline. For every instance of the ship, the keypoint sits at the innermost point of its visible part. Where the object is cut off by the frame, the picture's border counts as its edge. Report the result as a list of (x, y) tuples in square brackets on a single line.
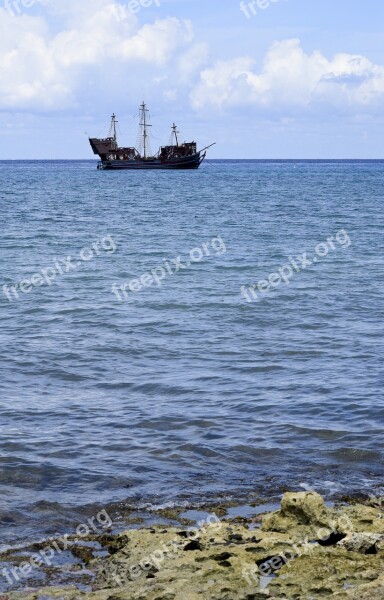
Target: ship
[(175, 155)]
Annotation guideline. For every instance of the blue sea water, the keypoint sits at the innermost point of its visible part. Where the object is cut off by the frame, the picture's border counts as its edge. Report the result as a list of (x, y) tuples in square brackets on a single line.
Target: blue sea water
[(186, 391)]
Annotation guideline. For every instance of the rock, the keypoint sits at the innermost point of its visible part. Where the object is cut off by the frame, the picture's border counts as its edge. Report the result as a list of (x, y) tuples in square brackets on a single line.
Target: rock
[(362, 543), (323, 572), (361, 519), (312, 551), (84, 553), (210, 567), (370, 591), (306, 510)]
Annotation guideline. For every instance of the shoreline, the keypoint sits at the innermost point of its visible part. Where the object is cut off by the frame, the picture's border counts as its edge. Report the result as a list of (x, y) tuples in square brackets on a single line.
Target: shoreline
[(305, 549)]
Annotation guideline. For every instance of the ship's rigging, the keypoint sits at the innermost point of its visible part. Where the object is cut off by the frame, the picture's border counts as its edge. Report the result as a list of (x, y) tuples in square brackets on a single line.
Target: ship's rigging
[(172, 156), (143, 141)]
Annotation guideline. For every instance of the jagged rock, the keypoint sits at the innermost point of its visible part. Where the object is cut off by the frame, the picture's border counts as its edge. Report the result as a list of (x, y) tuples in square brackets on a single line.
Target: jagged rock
[(361, 519), (312, 550), (303, 509), (323, 572), (368, 591), (362, 543)]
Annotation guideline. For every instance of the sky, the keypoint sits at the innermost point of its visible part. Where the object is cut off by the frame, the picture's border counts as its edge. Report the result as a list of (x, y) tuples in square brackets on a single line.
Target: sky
[(261, 78)]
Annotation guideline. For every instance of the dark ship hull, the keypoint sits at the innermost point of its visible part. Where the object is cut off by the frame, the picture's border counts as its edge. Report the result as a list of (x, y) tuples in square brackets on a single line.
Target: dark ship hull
[(175, 156), (187, 162)]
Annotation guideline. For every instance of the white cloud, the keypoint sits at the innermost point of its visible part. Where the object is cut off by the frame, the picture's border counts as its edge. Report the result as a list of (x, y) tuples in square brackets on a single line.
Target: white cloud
[(45, 68), (291, 80), (191, 61), (156, 43), (78, 54)]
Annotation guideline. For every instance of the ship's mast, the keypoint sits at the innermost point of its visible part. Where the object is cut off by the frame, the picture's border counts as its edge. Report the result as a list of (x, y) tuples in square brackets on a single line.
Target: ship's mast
[(144, 124), (113, 130), (174, 133)]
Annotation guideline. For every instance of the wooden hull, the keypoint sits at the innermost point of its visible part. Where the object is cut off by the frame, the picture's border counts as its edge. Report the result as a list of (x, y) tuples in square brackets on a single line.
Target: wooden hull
[(188, 162)]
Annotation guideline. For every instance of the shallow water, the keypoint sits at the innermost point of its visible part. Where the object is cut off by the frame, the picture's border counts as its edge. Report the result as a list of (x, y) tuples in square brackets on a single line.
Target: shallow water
[(185, 391)]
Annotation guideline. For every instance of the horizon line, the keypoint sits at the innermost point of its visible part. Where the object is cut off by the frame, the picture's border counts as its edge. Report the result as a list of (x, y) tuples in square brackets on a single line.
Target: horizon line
[(206, 160)]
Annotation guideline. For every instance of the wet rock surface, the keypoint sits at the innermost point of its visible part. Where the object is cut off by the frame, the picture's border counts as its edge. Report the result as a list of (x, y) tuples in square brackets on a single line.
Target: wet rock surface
[(304, 551)]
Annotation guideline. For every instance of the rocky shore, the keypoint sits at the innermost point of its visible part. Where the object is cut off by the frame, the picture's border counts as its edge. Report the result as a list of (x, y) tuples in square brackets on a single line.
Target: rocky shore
[(304, 551)]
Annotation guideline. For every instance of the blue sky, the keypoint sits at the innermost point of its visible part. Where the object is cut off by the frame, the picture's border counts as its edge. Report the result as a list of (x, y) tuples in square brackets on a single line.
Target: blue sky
[(298, 79)]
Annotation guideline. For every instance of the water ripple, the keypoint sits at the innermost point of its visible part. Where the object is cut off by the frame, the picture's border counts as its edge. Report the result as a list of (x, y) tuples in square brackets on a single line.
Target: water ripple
[(185, 390)]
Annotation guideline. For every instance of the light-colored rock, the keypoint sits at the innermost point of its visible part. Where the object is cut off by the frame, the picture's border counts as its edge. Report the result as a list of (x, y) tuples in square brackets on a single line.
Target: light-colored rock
[(361, 519), (305, 511), (362, 543), (225, 561), (323, 572)]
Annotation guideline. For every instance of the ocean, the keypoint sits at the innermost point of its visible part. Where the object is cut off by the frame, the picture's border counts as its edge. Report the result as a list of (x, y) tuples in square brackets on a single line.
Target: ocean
[(169, 338)]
